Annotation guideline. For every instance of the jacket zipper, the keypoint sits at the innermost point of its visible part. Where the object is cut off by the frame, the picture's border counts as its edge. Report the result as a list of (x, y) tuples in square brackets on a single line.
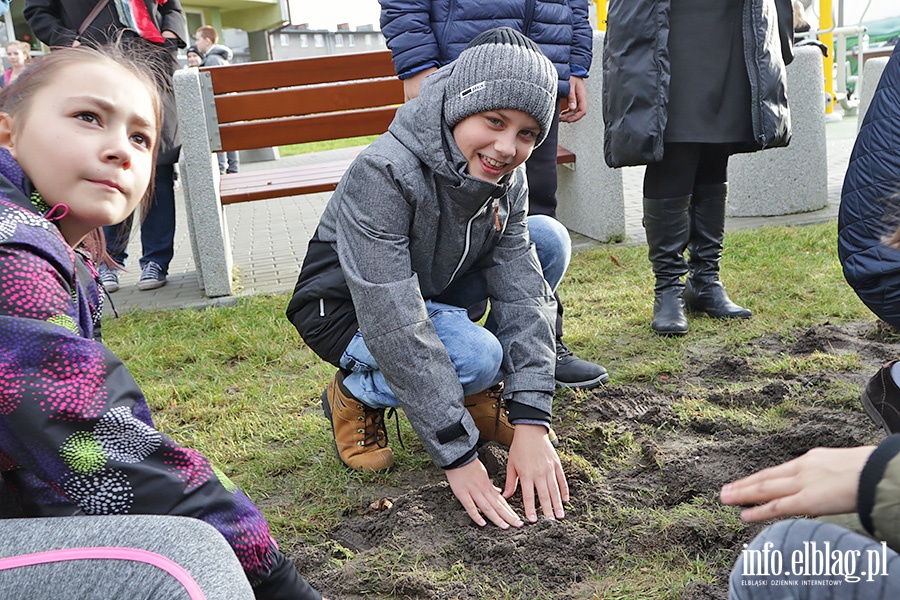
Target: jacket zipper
[(469, 237), (751, 59), (529, 15)]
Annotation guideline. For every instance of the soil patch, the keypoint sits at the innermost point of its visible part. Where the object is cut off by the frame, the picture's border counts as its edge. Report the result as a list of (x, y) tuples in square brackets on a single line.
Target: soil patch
[(644, 462)]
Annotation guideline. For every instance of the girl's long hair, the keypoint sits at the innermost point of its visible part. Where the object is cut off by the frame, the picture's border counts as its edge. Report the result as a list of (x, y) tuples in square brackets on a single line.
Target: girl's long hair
[(135, 57)]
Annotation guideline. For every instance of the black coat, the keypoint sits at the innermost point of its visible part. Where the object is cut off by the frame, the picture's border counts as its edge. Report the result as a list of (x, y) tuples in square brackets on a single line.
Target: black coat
[(637, 76), (56, 23)]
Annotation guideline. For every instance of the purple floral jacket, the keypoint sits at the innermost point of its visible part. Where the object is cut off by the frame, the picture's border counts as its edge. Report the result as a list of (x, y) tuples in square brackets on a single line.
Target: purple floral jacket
[(76, 436)]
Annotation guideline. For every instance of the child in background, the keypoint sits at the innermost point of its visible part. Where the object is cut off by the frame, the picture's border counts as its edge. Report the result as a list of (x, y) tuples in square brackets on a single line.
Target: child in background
[(78, 136), (428, 221), (194, 56), (18, 54)]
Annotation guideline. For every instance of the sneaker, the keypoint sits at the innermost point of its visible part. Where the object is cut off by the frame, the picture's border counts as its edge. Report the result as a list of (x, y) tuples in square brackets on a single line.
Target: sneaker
[(152, 277), (576, 373), (360, 439), (488, 410), (881, 399), (108, 278)]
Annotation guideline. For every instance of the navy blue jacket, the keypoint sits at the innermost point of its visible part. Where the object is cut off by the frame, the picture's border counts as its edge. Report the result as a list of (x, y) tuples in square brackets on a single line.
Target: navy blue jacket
[(432, 33), (870, 208)]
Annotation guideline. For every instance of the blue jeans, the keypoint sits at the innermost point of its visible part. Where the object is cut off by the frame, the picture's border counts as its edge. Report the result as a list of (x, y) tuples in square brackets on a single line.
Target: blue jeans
[(799, 546), (229, 162), (157, 228), (474, 351)]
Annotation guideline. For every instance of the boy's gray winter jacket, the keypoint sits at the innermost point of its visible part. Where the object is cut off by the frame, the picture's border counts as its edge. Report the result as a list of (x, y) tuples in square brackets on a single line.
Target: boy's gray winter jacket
[(405, 222), (636, 76)]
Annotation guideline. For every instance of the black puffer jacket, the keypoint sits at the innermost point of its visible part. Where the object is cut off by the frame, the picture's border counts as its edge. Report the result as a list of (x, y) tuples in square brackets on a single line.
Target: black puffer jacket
[(636, 77), (869, 204)]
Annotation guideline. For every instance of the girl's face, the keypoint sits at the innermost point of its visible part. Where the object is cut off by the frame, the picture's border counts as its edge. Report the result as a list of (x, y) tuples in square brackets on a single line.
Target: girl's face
[(86, 140), (15, 55)]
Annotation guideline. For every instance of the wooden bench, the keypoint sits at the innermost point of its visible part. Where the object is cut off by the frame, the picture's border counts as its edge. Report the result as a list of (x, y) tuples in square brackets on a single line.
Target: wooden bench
[(274, 103)]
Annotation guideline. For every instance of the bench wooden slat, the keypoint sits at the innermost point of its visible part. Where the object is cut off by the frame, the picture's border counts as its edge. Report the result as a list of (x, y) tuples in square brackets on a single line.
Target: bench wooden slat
[(282, 132), (276, 183), (564, 156), (305, 179), (286, 103), (300, 71)]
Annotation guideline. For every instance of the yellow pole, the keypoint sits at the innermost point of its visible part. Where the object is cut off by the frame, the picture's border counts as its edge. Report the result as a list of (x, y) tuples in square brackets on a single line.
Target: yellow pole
[(827, 25), (601, 14)]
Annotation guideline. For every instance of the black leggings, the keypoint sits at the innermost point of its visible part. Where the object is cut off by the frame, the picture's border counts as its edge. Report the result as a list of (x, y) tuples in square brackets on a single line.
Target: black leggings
[(685, 165)]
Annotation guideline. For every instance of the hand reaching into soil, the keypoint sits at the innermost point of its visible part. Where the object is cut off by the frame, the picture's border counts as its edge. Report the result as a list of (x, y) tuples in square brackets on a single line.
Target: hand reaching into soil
[(533, 462), (473, 488), (823, 481)]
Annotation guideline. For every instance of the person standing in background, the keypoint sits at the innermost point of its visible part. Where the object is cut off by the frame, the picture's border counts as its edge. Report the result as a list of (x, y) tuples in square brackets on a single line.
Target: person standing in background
[(424, 35), (686, 85), (18, 54), (215, 54), (60, 23)]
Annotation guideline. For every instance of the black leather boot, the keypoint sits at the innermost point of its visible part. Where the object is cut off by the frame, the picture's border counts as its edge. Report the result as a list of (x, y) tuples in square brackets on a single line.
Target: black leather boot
[(667, 225), (703, 291)]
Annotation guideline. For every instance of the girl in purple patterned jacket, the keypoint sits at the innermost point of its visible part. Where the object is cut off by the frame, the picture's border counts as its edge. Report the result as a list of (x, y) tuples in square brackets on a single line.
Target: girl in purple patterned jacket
[(78, 134)]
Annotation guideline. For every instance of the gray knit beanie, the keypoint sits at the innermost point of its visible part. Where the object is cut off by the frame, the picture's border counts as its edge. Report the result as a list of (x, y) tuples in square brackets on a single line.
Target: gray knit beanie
[(501, 68)]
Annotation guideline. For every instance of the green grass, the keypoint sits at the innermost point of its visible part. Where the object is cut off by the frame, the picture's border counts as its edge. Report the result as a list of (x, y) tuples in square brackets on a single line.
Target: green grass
[(237, 384), (326, 145)]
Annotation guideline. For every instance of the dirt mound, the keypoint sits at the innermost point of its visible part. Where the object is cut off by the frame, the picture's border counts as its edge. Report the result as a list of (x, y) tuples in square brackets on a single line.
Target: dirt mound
[(645, 463)]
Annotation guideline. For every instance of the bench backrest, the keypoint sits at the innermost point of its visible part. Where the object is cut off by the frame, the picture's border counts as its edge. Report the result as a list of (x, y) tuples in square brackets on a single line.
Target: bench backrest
[(275, 103)]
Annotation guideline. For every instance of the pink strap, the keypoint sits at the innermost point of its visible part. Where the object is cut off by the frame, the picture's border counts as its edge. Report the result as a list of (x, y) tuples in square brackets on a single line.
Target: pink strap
[(109, 553)]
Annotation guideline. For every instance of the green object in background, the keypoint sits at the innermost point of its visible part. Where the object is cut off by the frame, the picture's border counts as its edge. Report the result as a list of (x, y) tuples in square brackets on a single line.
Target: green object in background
[(884, 32)]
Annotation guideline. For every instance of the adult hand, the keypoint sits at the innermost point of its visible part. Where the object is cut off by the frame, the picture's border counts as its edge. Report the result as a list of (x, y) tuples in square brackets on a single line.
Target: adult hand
[(533, 462), (577, 101), (473, 488), (823, 481), (411, 85)]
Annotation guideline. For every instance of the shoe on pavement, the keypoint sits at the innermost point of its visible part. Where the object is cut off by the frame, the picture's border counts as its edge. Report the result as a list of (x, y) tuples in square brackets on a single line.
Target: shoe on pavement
[(360, 438), (152, 277), (881, 399), (109, 278), (577, 373)]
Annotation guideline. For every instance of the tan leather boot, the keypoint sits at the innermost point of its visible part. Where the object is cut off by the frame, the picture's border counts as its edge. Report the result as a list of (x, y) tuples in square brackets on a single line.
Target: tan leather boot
[(488, 410), (360, 439)]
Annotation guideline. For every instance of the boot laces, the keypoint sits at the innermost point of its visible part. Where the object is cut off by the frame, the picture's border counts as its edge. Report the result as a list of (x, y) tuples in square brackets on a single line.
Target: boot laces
[(562, 351), (375, 432)]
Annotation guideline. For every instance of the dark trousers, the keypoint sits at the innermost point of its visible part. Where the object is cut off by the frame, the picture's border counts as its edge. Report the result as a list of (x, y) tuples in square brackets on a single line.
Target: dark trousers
[(542, 181), (157, 228)]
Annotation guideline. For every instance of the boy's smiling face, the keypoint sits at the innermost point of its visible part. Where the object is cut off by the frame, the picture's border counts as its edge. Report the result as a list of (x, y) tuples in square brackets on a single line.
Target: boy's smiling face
[(495, 142)]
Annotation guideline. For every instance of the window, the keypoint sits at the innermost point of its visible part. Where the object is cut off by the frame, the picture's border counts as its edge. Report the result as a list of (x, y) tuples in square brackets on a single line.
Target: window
[(285, 40), (352, 39), (319, 40), (304, 40), (338, 40), (368, 39)]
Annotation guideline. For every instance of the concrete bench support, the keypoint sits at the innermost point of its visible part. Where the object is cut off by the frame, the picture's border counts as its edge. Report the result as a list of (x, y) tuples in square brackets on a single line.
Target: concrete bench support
[(782, 181), (872, 71), (199, 172), (591, 197)]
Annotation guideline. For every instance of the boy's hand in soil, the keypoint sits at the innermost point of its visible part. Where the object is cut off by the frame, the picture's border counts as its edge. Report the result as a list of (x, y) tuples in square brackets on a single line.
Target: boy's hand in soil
[(533, 462), (823, 481), (473, 488)]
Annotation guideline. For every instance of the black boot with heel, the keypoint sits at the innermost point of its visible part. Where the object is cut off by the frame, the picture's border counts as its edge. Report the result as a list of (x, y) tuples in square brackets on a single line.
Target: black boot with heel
[(667, 225), (703, 291)]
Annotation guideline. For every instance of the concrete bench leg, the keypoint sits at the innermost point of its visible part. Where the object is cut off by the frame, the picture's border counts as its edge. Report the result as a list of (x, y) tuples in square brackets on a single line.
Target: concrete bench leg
[(200, 179), (871, 75), (591, 197), (783, 181)]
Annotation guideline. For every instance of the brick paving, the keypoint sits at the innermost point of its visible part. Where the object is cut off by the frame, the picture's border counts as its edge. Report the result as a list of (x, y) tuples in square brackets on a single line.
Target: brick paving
[(269, 237)]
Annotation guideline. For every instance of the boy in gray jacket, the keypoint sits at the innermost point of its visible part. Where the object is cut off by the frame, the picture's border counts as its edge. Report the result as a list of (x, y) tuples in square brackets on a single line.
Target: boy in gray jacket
[(429, 220)]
